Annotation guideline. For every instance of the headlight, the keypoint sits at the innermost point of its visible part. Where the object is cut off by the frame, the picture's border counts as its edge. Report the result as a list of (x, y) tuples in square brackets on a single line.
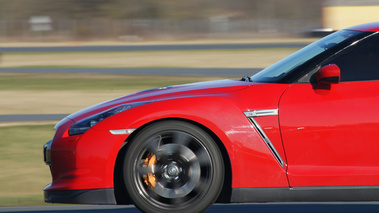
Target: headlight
[(85, 124)]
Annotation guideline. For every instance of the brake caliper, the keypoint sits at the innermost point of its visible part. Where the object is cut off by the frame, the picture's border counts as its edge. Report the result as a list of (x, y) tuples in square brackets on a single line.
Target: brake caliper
[(150, 162)]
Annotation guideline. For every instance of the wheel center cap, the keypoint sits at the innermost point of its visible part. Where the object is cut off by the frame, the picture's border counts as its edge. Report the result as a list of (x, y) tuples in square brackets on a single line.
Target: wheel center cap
[(173, 170)]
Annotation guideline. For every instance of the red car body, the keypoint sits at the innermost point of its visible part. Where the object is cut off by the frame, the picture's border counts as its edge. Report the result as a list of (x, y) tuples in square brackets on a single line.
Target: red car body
[(303, 134)]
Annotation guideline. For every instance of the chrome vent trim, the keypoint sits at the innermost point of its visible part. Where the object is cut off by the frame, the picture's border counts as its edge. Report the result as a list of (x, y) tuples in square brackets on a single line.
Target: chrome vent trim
[(261, 113), (122, 131)]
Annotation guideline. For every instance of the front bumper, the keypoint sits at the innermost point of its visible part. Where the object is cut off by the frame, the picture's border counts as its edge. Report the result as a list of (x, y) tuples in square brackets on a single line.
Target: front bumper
[(83, 196), (82, 166), (88, 196)]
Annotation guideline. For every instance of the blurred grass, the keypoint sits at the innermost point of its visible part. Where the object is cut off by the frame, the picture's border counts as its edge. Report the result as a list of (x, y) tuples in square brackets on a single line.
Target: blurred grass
[(23, 172), (88, 82), (248, 58)]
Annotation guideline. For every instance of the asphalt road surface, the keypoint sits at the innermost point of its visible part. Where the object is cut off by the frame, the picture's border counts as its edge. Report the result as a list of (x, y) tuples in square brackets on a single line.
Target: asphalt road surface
[(348, 207), (111, 48)]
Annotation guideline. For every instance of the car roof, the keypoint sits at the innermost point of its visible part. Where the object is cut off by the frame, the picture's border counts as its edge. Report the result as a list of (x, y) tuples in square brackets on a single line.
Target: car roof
[(368, 27)]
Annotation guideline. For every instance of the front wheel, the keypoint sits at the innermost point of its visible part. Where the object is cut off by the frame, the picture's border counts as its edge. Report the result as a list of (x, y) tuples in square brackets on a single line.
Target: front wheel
[(173, 166)]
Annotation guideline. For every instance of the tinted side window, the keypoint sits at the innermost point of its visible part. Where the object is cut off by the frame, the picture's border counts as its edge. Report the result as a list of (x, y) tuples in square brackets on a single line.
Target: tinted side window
[(359, 62)]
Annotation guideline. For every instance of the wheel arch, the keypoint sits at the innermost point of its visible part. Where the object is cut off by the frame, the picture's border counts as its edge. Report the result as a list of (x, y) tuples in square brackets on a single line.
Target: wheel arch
[(121, 194)]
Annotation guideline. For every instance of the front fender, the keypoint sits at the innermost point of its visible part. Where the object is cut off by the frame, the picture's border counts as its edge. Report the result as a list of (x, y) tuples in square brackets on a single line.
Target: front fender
[(253, 165)]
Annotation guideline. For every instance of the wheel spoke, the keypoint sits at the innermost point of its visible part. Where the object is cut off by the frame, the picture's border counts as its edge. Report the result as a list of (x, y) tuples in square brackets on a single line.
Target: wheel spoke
[(153, 144), (144, 170), (163, 183), (178, 200), (186, 153), (163, 158), (202, 157), (181, 138), (169, 149), (163, 191), (203, 183)]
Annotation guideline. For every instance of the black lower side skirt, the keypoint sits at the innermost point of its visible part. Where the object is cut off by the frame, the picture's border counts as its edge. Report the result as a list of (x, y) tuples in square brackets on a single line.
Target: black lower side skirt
[(239, 195), (90, 196), (305, 194)]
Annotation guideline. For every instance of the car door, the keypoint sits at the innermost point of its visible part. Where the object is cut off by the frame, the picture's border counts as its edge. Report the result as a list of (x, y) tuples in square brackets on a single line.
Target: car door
[(331, 133)]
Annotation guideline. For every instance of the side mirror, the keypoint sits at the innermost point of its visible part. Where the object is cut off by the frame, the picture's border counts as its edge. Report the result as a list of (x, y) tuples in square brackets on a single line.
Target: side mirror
[(329, 74)]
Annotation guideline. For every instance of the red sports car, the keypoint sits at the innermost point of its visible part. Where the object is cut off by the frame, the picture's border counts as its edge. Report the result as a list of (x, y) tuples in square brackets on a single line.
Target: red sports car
[(303, 129)]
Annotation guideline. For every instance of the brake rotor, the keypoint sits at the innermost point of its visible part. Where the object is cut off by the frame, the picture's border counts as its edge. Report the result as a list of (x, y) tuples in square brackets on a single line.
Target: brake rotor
[(150, 162)]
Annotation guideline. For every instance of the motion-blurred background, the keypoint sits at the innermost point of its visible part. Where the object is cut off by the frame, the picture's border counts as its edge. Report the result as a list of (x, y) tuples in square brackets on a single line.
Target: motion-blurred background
[(58, 56), (138, 20), (49, 20)]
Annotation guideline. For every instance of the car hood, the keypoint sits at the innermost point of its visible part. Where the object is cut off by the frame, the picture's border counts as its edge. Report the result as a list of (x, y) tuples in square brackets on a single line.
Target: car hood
[(164, 93)]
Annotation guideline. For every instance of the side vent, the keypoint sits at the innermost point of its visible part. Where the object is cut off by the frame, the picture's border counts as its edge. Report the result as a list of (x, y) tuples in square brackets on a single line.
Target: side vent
[(260, 113)]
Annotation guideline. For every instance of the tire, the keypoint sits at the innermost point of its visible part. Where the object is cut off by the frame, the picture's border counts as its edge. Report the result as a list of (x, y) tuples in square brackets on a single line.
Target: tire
[(173, 166)]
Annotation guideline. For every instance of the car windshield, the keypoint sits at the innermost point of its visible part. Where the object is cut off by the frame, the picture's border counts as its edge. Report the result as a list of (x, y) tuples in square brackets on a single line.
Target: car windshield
[(282, 68)]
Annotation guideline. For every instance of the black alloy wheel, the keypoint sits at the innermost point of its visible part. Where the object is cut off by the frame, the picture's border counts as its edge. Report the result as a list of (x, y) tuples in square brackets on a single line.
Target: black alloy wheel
[(173, 166)]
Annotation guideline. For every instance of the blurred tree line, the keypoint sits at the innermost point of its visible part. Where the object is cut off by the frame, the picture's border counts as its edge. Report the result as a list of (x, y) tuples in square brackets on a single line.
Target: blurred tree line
[(161, 9), (115, 19)]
